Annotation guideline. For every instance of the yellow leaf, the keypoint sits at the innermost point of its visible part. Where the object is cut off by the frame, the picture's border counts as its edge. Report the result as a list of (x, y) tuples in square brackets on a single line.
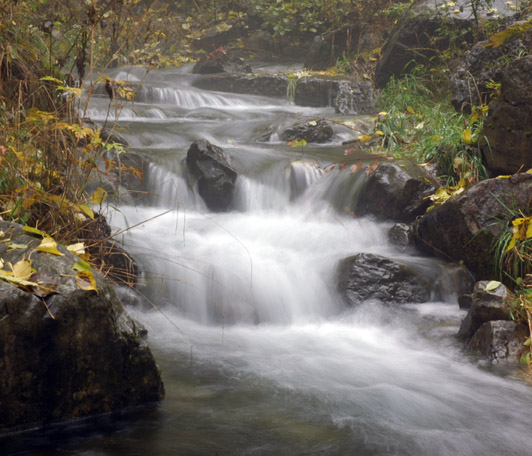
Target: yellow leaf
[(17, 246), (379, 133), (77, 249), (99, 196), (48, 245), (365, 138), (22, 269), (467, 136), (507, 176), (87, 210), (84, 277), (410, 110)]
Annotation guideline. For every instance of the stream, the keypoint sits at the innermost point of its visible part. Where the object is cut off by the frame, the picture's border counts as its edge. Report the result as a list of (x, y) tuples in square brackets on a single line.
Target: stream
[(258, 353)]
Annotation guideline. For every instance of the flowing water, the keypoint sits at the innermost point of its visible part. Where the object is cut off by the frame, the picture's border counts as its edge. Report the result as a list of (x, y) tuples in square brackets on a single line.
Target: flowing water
[(258, 353)]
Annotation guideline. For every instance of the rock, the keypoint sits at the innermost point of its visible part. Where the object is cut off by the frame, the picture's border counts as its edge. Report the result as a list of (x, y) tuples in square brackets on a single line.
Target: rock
[(396, 191), (270, 85), (466, 227), (347, 96), (215, 179), (415, 40), (488, 305), (314, 131), (367, 276), (481, 66), (465, 302), (88, 359), (508, 128), (220, 35), (500, 341), (260, 39), (220, 63), (400, 235)]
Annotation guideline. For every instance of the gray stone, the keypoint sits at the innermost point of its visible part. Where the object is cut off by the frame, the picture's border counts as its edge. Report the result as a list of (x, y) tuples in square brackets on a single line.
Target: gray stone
[(466, 227), (367, 276), (314, 131), (500, 341), (488, 305), (508, 128), (89, 358), (396, 191)]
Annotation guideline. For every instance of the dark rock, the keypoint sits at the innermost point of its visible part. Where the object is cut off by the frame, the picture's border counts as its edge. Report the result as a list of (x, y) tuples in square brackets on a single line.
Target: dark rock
[(488, 305), (214, 177), (89, 358), (367, 276), (260, 39), (314, 131), (400, 235), (500, 341), (396, 191), (508, 127), (480, 67), (416, 39), (465, 302), (466, 227), (259, 84), (215, 37), (348, 96), (220, 63)]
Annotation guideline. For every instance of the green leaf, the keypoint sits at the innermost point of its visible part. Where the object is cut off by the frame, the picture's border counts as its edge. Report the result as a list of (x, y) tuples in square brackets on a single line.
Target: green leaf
[(493, 285), (17, 246), (527, 342), (32, 230)]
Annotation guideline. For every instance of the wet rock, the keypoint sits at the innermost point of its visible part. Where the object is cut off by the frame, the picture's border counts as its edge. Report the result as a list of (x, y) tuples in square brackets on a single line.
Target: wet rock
[(348, 96), (465, 302), (314, 131), (500, 341), (215, 179), (400, 235), (508, 127), (396, 191), (368, 276), (220, 36), (345, 95), (466, 227), (89, 358), (220, 63), (481, 66), (260, 39), (260, 84), (488, 305)]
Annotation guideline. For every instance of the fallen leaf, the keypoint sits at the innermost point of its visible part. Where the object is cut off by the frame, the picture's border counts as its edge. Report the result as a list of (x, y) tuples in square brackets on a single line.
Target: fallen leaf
[(48, 245), (493, 285)]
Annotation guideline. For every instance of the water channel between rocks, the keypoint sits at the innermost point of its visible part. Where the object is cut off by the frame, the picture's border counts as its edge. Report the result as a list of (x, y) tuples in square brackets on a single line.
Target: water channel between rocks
[(258, 353)]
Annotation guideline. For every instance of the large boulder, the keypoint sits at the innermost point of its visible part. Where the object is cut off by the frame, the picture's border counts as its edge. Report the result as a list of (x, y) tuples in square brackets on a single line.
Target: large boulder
[(396, 191), (367, 276), (314, 131), (416, 39), (488, 304), (215, 179), (466, 227), (472, 81), (66, 352), (508, 128)]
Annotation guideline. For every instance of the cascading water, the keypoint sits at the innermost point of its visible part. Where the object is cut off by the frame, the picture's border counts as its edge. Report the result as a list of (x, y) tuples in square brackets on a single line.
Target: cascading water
[(258, 353)]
